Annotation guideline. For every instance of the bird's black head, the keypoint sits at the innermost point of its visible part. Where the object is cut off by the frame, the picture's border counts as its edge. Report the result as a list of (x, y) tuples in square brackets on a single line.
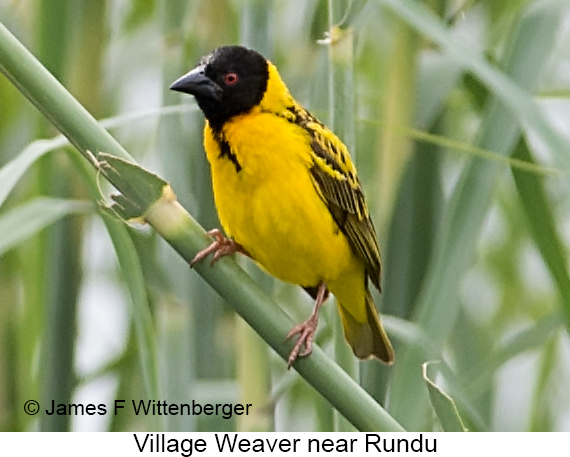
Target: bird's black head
[(230, 80)]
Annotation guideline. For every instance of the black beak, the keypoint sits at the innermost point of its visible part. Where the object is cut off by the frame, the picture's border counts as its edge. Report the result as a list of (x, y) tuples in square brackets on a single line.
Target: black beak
[(196, 83)]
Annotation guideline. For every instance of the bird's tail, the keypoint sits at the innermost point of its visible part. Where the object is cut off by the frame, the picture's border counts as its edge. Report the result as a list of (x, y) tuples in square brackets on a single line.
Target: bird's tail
[(367, 338)]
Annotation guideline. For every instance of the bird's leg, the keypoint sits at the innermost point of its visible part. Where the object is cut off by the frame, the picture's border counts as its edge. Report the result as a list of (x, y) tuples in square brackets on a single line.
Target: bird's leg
[(307, 329), (221, 247)]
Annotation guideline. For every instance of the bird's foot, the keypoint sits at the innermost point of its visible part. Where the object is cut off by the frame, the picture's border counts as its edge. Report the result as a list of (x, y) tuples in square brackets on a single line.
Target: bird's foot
[(221, 247), (306, 330)]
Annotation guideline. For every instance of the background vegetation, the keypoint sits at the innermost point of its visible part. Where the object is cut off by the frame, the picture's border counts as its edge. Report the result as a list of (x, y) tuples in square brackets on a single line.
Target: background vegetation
[(457, 115)]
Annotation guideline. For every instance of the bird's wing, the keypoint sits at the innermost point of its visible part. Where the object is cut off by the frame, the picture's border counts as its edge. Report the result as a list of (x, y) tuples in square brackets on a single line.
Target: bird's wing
[(335, 178)]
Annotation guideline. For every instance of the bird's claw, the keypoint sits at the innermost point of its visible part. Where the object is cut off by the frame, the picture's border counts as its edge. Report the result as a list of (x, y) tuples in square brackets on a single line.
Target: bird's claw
[(221, 247), (306, 332)]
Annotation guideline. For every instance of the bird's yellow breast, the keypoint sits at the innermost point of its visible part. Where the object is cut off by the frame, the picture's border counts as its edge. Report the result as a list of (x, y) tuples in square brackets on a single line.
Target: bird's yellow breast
[(271, 205)]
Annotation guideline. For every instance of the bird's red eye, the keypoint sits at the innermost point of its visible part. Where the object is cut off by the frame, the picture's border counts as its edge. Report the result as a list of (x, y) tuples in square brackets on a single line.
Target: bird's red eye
[(231, 78)]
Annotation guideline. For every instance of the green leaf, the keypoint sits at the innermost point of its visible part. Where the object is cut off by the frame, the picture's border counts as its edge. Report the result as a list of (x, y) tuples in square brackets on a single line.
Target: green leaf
[(11, 173), (140, 308), (443, 404), (20, 223), (140, 188), (542, 224)]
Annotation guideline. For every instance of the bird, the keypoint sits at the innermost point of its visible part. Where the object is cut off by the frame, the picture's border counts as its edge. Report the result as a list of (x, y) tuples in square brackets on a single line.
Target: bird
[(287, 195)]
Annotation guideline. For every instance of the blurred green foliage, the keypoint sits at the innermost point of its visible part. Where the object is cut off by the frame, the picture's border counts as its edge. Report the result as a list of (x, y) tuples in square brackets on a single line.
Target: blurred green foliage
[(474, 246)]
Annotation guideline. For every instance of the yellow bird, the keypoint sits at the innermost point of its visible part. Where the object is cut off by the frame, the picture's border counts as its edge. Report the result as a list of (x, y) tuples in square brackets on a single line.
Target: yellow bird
[(287, 194)]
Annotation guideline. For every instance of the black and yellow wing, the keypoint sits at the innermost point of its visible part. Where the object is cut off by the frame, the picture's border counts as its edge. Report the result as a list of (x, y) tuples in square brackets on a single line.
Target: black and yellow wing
[(335, 178)]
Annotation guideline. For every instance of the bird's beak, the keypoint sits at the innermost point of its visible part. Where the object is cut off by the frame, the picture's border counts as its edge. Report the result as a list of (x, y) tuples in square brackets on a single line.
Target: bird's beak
[(196, 83)]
